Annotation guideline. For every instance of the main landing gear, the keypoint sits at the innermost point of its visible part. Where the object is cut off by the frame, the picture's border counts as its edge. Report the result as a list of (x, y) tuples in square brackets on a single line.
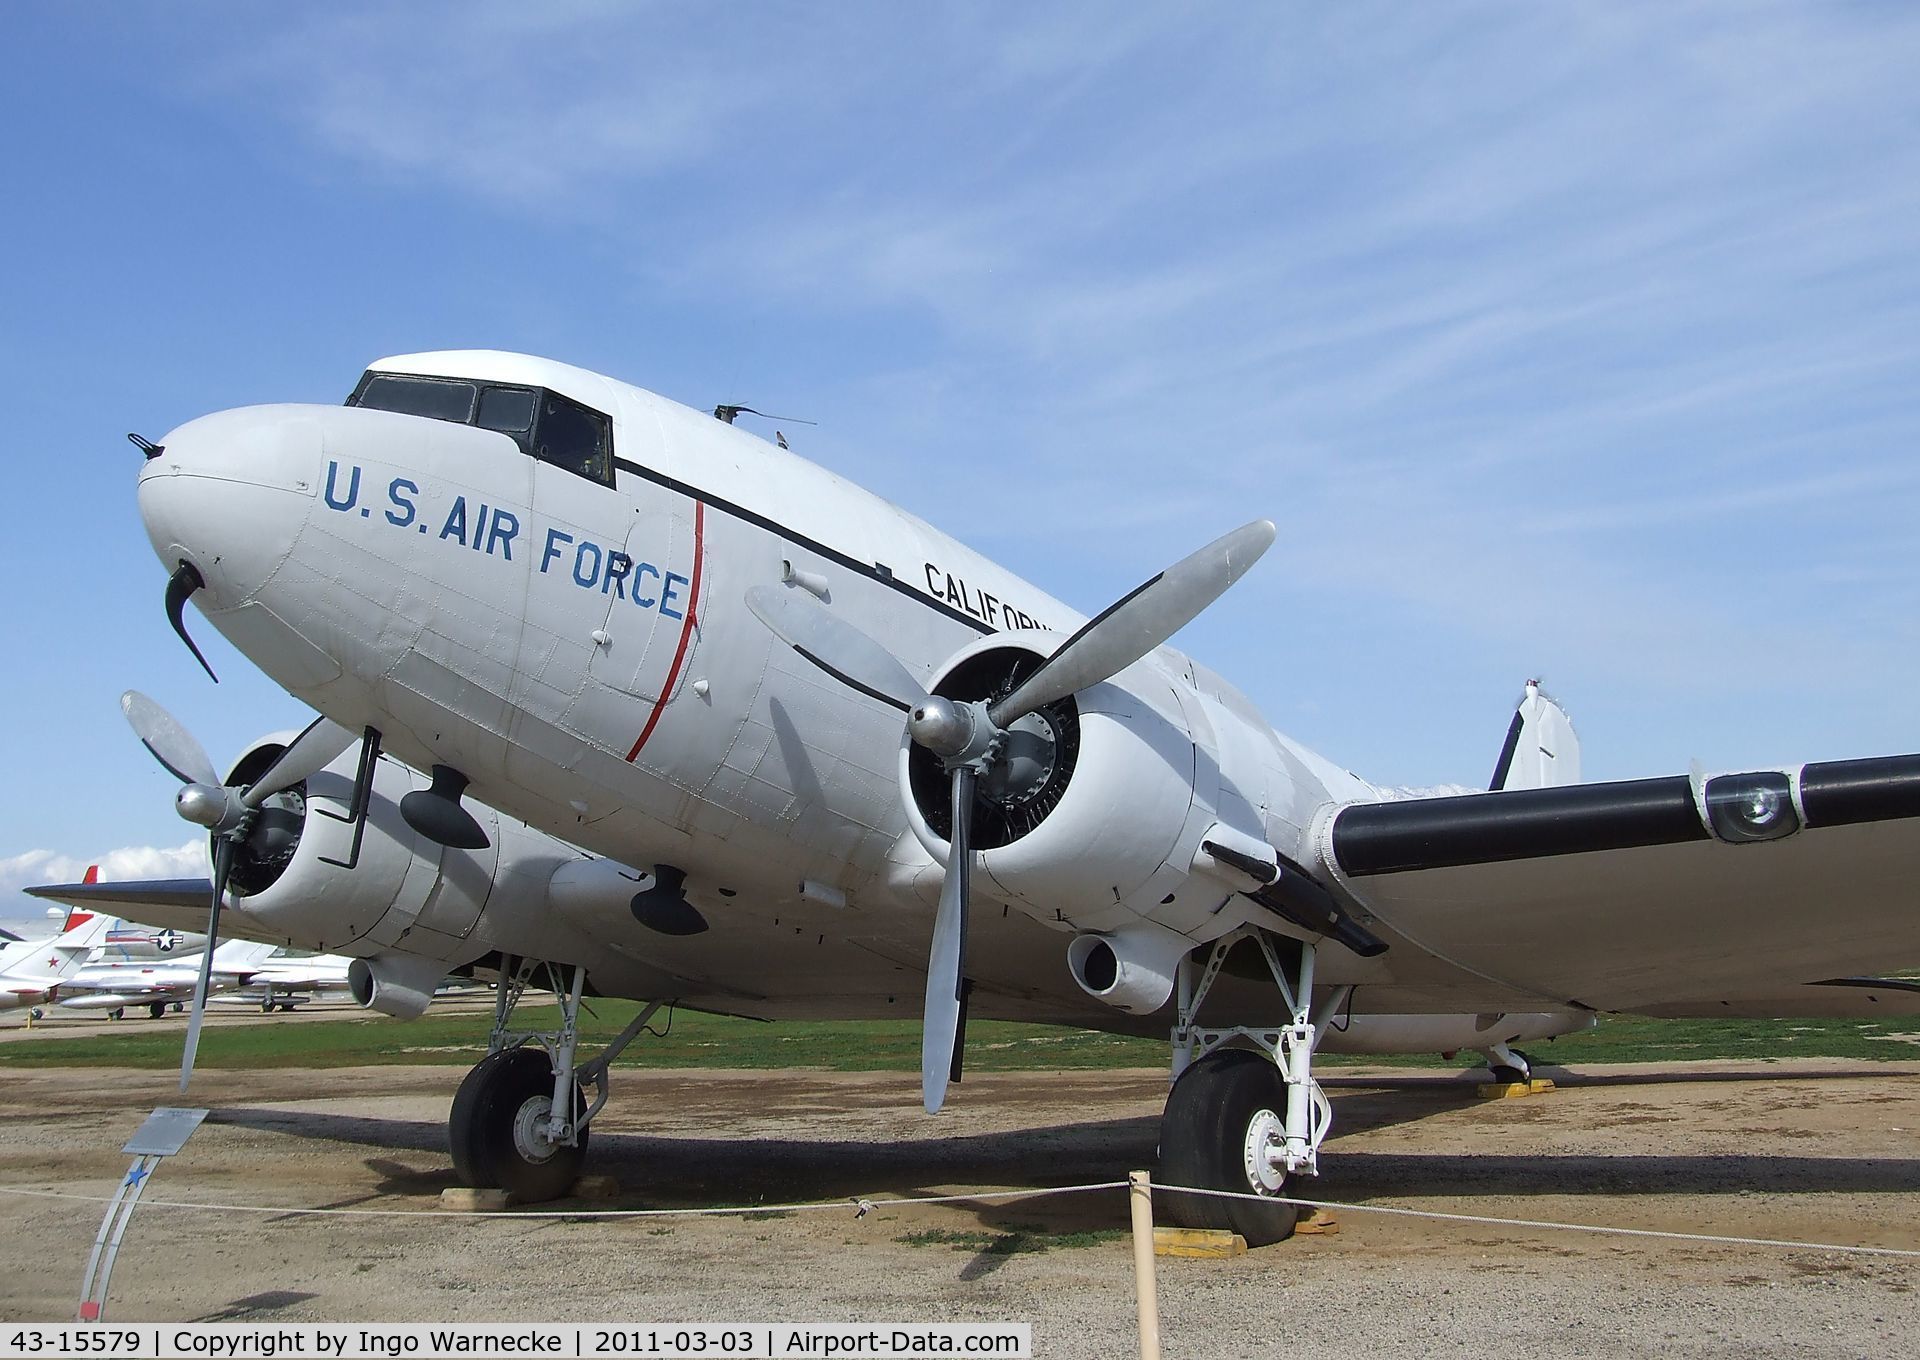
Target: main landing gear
[(1246, 1119), (519, 1121)]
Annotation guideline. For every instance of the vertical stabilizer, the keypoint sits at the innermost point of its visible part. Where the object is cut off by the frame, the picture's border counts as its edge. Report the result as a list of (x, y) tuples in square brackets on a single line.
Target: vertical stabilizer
[(1542, 750)]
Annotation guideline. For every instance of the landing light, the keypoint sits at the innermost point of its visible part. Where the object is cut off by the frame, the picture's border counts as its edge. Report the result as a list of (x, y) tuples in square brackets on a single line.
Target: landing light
[(1751, 807)]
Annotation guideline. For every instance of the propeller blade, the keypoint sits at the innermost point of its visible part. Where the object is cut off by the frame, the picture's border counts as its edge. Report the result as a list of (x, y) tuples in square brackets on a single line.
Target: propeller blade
[(181, 584), (172, 745), (1138, 622), (947, 960), (836, 646), (307, 754), (222, 865)]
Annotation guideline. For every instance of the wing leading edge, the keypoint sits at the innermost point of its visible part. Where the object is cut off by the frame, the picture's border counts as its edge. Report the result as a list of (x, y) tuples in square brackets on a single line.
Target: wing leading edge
[(1625, 895), (176, 903)]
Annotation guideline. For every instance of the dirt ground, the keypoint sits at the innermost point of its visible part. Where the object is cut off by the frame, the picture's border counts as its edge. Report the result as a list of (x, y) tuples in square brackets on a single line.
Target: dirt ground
[(1825, 1151)]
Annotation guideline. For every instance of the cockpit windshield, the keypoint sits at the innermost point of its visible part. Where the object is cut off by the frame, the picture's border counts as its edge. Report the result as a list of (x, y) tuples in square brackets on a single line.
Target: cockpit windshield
[(548, 426), (435, 398)]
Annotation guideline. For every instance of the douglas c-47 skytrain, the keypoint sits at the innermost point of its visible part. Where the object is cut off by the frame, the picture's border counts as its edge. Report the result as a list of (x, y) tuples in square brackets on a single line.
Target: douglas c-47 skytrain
[(620, 697)]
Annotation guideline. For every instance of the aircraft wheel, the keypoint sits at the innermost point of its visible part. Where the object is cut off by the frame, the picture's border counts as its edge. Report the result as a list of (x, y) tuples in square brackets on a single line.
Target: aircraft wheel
[(1222, 1115), (157, 1009), (1507, 1076), (265, 1006), (494, 1128), (37, 1013), (117, 1013)]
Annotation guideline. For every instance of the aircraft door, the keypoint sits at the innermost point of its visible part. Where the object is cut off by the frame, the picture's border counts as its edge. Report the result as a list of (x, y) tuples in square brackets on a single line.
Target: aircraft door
[(650, 623), (574, 572)]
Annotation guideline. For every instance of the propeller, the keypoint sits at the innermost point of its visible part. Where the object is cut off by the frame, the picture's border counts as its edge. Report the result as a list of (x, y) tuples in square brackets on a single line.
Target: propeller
[(971, 737), (945, 1013), (224, 810)]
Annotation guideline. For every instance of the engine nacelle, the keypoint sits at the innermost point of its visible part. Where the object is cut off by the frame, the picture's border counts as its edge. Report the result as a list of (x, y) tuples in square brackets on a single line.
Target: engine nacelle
[(1132, 969), (1098, 820), (310, 873)]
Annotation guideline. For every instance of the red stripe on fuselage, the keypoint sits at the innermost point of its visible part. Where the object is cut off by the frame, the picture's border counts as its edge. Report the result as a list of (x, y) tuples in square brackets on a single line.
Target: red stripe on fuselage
[(686, 632)]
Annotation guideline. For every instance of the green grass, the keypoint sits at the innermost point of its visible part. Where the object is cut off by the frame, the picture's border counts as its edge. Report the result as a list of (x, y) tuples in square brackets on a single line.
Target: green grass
[(880, 1045)]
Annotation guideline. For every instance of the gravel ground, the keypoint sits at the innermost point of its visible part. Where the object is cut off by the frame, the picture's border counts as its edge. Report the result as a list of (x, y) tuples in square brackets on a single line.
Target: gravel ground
[(1814, 1151)]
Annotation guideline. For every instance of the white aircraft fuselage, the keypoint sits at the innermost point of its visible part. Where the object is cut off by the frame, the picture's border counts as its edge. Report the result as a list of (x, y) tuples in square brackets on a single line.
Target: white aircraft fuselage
[(580, 651)]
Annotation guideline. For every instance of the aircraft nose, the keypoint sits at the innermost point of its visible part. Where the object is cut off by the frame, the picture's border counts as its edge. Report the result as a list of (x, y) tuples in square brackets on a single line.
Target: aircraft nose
[(229, 493)]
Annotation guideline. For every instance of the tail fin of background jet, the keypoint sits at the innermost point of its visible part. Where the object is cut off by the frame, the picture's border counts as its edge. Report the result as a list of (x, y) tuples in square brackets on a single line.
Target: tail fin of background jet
[(1542, 750), (75, 945), (75, 916)]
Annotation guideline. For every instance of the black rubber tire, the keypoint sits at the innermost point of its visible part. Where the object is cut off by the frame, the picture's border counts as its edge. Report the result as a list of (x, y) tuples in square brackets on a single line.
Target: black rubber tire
[(156, 1010), (1507, 1076), (480, 1128), (117, 1013), (1203, 1136)]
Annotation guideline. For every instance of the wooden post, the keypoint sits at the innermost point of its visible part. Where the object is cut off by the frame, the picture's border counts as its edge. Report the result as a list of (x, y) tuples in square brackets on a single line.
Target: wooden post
[(1140, 1197)]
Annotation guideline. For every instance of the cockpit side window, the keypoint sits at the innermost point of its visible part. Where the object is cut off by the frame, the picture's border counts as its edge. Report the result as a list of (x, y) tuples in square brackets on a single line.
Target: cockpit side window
[(435, 398), (569, 435), (508, 410)]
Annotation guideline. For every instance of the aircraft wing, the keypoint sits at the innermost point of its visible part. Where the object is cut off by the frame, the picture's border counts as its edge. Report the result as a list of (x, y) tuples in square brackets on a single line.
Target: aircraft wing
[(168, 903), (1854, 998), (1648, 893)]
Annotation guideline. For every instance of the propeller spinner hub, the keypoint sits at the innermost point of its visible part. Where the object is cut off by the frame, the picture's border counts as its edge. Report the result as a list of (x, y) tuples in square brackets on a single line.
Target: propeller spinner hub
[(942, 726), (210, 806)]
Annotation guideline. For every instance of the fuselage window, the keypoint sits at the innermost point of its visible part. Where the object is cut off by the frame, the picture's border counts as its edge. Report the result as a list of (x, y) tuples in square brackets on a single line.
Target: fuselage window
[(435, 398), (575, 438)]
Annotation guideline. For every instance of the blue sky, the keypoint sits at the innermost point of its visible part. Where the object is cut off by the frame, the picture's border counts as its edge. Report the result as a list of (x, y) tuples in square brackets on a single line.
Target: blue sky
[(1574, 341)]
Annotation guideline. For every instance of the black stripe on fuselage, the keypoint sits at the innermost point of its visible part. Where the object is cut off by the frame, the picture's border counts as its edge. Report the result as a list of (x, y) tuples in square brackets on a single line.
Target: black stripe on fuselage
[(873, 571), (1488, 828), (1846, 792)]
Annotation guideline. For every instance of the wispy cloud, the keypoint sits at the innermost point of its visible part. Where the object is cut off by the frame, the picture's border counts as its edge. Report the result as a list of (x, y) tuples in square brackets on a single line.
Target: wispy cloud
[(1584, 334), (34, 867)]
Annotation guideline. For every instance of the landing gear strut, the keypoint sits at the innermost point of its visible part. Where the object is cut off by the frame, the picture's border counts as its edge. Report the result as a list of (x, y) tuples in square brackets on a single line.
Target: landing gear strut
[(519, 1121), (1246, 1119)]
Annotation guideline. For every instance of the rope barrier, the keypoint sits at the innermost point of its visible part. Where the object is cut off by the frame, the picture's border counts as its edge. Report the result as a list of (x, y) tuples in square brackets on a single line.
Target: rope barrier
[(1490, 1221), (864, 1205), (861, 1207)]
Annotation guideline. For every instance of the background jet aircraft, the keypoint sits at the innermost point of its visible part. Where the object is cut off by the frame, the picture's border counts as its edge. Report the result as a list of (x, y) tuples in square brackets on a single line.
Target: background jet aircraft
[(112, 986), (130, 941), (34, 972), (618, 696), (288, 978)]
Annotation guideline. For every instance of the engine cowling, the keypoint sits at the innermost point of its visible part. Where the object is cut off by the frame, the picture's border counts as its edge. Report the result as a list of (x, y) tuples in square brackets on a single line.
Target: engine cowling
[(1098, 819), (308, 872)]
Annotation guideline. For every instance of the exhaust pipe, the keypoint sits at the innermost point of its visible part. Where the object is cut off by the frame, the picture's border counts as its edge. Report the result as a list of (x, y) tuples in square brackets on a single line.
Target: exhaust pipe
[(1132, 969), (400, 985)]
